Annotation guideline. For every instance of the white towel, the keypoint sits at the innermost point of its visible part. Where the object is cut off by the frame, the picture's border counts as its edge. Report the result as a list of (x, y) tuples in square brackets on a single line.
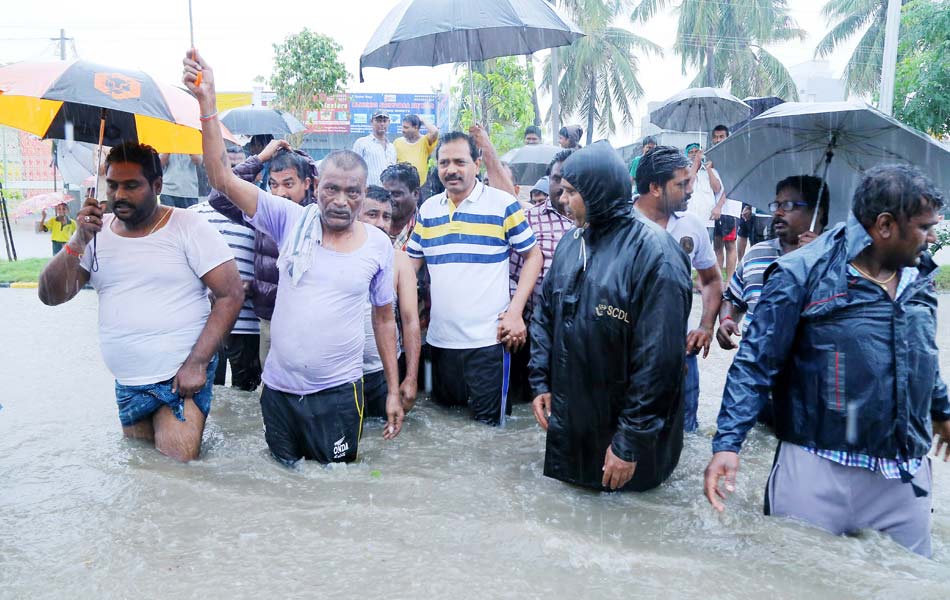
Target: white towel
[(297, 250)]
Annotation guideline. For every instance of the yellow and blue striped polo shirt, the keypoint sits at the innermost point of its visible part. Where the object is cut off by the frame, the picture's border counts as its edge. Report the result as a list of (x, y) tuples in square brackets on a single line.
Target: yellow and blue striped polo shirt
[(466, 249)]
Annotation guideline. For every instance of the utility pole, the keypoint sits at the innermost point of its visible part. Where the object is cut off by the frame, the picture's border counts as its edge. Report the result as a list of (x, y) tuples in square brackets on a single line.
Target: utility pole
[(61, 40), (889, 63)]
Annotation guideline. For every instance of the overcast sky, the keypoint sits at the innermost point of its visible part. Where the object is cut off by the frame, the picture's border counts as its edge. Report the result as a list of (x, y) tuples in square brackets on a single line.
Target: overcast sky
[(236, 37)]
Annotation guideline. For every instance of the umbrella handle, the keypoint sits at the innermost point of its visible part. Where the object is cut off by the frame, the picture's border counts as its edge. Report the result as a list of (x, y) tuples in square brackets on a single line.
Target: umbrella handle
[(194, 57), (824, 184)]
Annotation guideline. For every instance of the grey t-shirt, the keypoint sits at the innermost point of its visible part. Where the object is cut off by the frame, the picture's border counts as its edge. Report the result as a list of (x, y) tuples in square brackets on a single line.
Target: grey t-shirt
[(180, 177)]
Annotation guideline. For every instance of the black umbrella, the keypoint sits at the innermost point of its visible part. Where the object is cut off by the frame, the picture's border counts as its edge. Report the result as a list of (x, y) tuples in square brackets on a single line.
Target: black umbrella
[(426, 33), (258, 121), (529, 163)]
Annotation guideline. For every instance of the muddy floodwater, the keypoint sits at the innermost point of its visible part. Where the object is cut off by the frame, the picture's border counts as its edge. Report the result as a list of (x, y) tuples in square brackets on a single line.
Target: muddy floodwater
[(451, 509)]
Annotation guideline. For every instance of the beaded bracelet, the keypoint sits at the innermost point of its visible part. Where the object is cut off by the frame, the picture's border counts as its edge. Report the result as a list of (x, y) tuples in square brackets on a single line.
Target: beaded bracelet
[(206, 118)]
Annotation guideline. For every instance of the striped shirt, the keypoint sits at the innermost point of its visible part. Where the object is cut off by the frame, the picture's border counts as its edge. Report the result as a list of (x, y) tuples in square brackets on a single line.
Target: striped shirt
[(467, 249), (888, 467), (240, 240), (549, 226), (377, 155), (747, 280)]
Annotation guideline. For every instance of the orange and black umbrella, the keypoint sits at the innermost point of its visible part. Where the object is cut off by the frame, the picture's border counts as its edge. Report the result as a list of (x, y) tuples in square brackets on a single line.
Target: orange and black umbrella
[(87, 102)]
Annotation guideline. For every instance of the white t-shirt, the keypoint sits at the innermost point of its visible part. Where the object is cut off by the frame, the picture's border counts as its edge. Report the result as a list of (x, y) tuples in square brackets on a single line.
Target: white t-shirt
[(703, 199), (152, 302), (691, 235)]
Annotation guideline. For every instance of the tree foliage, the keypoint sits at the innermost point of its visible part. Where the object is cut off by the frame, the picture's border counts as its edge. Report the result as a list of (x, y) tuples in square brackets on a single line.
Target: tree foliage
[(503, 101), (852, 17), (307, 67), (598, 73), (922, 82), (726, 41)]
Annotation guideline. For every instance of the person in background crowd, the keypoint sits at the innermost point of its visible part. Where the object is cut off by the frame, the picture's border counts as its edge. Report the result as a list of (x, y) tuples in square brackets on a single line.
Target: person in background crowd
[(549, 221), (376, 149), (432, 187), (152, 267), (61, 227), (532, 135), (465, 236), (241, 347), (725, 228), (747, 231), (291, 175), (796, 200), (664, 180), (844, 337), (540, 192), (570, 136), (618, 284), (401, 180), (415, 148), (330, 263), (180, 179), (377, 211), (649, 143)]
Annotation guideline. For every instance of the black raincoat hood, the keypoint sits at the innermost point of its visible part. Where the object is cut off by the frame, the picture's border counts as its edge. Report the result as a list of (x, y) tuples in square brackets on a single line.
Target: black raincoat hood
[(602, 179)]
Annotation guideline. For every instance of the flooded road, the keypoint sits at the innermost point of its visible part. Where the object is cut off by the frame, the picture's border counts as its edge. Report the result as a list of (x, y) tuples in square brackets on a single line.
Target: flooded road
[(451, 508)]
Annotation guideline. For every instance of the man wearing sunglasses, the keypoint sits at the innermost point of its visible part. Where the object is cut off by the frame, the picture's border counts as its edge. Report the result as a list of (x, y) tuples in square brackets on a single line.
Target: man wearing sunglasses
[(796, 200)]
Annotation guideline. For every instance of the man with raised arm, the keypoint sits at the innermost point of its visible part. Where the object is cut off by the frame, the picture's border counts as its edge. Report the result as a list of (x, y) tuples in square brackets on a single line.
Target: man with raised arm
[(312, 402)]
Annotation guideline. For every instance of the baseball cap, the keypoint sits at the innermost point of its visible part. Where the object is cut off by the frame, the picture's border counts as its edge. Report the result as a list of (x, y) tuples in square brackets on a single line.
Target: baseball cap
[(380, 113)]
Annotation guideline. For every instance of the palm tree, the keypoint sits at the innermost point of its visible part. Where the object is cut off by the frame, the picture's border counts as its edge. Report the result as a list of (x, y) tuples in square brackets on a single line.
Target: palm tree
[(726, 41), (598, 73), (863, 72)]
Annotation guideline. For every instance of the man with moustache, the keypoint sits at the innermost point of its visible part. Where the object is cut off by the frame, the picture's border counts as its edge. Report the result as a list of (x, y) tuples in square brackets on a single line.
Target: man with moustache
[(465, 237), (375, 148), (549, 221), (415, 148), (152, 267), (664, 185), (330, 263), (844, 338)]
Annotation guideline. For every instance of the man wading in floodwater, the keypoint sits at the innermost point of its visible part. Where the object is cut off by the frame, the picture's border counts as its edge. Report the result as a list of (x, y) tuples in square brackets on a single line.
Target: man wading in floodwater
[(150, 265), (607, 353), (844, 337), (330, 263)]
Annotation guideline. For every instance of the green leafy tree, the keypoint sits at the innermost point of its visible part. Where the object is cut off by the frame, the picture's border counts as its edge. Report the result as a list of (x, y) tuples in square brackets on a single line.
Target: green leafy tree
[(307, 68), (922, 81), (852, 17), (598, 73), (502, 100), (726, 41)]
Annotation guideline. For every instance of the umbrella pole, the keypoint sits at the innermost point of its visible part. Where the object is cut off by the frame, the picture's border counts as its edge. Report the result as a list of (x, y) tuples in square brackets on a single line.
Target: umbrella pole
[(471, 88), (102, 133), (829, 154)]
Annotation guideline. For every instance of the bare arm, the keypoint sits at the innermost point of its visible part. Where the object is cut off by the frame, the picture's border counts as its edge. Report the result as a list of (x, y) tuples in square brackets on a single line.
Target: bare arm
[(225, 285), (432, 132), (242, 193), (63, 277), (384, 329), (408, 296), (511, 327), (712, 295), (716, 184), (497, 173)]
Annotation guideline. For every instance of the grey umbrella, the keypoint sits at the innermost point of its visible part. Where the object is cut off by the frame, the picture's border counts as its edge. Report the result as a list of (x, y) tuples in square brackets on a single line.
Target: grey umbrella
[(435, 32), (837, 141), (528, 163), (700, 109), (258, 121)]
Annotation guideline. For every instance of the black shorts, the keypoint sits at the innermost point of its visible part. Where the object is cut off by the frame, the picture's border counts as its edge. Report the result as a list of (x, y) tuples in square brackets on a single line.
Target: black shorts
[(374, 394), (477, 378), (746, 229), (324, 426), (725, 228)]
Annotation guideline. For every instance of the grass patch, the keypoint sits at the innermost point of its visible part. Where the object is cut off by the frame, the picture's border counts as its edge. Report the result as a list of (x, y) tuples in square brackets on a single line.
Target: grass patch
[(943, 278), (27, 269)]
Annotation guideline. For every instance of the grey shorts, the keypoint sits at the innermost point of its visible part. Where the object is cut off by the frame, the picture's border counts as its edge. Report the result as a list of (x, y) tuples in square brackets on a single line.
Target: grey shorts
[(843, 500)]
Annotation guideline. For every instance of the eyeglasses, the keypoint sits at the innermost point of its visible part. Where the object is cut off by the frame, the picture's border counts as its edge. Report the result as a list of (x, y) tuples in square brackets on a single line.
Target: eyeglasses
[(787, 206)]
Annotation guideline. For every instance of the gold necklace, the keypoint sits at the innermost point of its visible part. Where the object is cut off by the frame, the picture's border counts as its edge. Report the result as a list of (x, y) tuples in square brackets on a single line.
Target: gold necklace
[(168, 212), (882, 283)]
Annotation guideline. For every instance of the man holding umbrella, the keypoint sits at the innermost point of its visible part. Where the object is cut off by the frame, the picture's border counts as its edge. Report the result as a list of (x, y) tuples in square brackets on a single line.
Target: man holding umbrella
[(844, 338), (152, 267)]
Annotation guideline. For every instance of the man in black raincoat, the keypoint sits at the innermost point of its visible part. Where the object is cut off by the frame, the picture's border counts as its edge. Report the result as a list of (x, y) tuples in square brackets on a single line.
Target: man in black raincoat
[(607, 354)]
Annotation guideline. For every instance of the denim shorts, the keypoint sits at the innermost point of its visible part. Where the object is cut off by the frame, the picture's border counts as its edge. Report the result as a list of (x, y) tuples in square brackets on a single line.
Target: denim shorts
[(139, 402)]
